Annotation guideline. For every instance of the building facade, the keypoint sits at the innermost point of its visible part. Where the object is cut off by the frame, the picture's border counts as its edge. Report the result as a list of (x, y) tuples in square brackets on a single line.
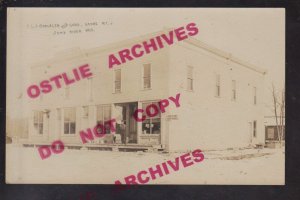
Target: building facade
[(221, 101)]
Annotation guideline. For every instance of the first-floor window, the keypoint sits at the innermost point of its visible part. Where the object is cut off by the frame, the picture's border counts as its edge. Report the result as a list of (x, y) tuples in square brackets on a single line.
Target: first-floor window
[(103, 115), (271, 133), (38, 121), (69, 121), (254, 128), (151, 125)]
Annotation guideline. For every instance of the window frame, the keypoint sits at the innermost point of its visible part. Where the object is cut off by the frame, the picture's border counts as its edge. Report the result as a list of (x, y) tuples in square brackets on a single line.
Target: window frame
[(143, 77), (40, 121), (254, 128), (269, 132), (102, 106), (69, 122), (158, 116), (115, 89)]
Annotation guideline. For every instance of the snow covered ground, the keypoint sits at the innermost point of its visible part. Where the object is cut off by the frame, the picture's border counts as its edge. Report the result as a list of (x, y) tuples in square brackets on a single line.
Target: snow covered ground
[(248, 166)]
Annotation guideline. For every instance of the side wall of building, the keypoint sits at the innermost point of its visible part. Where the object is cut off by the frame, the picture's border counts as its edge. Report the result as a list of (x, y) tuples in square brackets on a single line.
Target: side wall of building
[(206, 120)]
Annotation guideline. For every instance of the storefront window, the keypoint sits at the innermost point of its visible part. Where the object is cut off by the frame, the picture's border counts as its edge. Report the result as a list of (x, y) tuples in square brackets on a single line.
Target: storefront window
[(152, 124)]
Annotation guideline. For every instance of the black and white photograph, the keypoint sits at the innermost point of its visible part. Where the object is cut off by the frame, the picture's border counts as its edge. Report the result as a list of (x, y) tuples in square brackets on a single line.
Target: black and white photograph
[(190, 96)]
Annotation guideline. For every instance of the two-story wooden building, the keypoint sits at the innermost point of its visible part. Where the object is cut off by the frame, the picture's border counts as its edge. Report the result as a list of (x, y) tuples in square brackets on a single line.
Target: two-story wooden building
[(221, 98)]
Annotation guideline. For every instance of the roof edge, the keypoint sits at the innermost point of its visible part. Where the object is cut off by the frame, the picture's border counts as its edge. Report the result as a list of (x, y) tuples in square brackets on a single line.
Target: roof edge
[(224, 54)]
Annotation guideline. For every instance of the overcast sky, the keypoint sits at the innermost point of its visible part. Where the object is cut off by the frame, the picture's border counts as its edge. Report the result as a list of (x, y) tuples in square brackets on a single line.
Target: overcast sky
[(253, 35)]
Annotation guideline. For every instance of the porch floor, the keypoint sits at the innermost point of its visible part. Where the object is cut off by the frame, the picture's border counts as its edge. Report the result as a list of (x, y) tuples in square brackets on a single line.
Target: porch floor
[(107, 147)]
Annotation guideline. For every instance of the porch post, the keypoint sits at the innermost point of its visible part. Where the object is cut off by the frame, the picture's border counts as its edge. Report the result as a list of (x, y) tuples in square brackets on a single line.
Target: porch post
[(139, 125)]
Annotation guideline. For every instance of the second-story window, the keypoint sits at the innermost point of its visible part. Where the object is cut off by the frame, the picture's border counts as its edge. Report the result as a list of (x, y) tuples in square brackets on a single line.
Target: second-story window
[(233, 85), (190, 84), (218, 86), (117, 79), (69, 121), (147, 76), (254, 96)]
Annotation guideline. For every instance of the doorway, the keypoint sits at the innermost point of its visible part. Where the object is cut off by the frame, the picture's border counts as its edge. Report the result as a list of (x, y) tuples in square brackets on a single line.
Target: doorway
[(126, 127)]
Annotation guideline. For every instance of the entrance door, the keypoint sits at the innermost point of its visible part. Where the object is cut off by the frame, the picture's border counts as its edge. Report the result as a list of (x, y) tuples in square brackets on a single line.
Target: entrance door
[(126, 125)]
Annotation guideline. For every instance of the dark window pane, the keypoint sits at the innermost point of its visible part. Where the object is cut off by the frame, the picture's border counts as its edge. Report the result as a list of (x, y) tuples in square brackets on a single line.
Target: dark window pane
[(254, 128), (41, 128), (146, 126), (155, 126), (72, 127), (107, 128), (271, 133), (66, 128)]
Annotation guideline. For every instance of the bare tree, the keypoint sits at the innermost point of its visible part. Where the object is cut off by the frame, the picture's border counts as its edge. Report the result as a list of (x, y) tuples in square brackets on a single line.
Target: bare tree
[(279, 111)]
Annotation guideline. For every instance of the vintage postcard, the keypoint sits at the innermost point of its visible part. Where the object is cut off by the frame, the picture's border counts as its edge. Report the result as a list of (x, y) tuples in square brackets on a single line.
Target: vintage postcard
[(145, 96)]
